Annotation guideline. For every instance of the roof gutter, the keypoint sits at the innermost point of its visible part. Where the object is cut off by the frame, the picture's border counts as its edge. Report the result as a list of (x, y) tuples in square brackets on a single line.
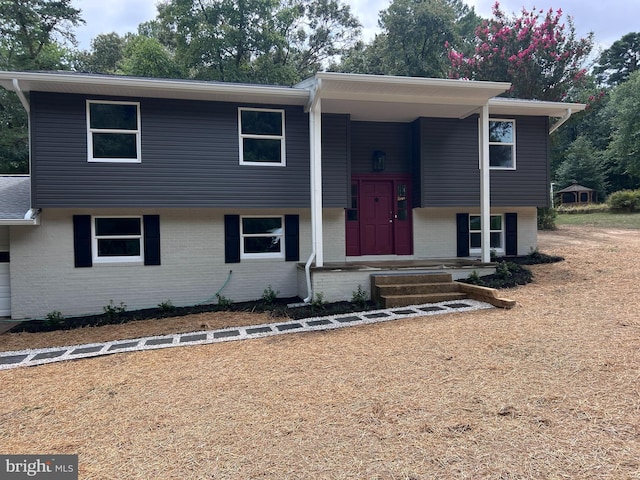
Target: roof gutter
[(21, 96), (561, 121), (32, 217)]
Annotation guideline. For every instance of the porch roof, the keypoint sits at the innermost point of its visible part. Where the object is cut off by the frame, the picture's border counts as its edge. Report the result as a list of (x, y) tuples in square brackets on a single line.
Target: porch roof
[(384, 98)]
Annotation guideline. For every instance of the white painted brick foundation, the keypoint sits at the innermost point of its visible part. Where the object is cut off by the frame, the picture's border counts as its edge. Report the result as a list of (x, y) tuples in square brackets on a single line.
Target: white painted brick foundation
[(44, 279)]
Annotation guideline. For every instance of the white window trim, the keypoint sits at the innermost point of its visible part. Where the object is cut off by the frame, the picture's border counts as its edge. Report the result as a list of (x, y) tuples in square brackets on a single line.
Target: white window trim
[(499, 251), (139, 259), (242, 136), (91, 131), (512, 144), (266, 255)]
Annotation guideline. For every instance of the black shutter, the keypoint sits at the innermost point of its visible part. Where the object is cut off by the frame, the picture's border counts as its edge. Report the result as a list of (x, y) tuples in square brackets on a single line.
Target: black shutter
[(232, 238), (511, 234), (292, 238), (151, 239), (462, 228), (82, 241)]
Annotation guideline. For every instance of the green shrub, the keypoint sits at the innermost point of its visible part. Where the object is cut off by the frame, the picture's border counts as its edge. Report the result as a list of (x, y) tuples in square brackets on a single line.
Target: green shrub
[(114, 311), (624, 201), (546, 218), (474, 278), (54, 320), (224, 302), (269, 296), (167, 307), (503, 270), (359, 297), (318, 302)]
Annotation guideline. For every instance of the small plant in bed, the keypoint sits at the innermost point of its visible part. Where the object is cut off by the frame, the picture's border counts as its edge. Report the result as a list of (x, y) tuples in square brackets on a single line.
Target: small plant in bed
[(115, 314), (510, 271)]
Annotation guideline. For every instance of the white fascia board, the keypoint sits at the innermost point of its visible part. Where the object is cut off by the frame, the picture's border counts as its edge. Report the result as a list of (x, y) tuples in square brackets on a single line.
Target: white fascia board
[(411, 81), (514, 106), (44, 81)]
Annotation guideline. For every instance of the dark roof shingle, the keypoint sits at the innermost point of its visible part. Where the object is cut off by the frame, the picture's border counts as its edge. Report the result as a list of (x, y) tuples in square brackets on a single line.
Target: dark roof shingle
[(15, 196)]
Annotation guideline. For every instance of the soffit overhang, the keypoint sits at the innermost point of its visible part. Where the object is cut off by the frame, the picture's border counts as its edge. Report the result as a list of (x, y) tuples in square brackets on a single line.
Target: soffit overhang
[(121, 86), (514, 107), (382, 98)]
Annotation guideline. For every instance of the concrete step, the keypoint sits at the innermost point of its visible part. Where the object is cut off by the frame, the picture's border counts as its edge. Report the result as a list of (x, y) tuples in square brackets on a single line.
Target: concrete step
[(418, 299)]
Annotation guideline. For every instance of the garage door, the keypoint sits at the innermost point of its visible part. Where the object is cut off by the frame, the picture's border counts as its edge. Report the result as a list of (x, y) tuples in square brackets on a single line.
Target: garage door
[(5, 288)]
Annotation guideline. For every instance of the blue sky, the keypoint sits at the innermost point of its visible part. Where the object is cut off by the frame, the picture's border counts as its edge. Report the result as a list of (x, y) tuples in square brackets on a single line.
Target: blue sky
[(609, 20)]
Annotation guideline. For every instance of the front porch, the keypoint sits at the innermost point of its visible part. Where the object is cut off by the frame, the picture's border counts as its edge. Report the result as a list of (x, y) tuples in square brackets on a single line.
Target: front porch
[(336, 281)]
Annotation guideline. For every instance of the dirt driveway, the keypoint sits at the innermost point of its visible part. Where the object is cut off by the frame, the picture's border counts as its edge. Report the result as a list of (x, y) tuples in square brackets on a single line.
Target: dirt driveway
[(550, 389)]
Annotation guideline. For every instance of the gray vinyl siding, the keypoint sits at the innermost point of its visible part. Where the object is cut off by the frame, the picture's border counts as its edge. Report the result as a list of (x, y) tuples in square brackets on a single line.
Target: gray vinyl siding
[(449, 162), (392, 138), (335, 161), (529, 184), (190, 158), (449, 170)]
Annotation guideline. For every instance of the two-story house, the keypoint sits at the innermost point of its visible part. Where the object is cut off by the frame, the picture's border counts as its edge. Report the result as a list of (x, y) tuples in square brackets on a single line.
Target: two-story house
[(146, 190)]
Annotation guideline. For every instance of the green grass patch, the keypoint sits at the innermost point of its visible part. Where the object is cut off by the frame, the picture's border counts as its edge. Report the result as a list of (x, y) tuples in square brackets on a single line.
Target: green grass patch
[(600, 219)]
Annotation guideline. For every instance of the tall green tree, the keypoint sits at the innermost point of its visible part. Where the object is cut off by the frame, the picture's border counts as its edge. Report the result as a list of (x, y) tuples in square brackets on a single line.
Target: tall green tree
[(30, 30), (263, 41), (583, 164), (619, 61), (536, 52), (413, 39), (146, 57), (105, 56), (624, 109), (34, 35)]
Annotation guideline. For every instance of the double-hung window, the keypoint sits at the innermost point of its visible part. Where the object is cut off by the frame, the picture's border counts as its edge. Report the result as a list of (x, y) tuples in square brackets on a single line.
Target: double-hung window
[(502, 144), (117, 239), (113, 131), (496, 233), (262, 237), (262, 140)]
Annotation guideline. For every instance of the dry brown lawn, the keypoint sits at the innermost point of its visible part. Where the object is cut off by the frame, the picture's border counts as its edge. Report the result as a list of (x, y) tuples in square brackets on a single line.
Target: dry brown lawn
[(548, 390)]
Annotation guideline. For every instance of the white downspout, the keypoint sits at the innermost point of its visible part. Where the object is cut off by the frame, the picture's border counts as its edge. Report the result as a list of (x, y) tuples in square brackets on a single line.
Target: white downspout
[(32, 214), (20, 93), (485, 185), (315, 154)]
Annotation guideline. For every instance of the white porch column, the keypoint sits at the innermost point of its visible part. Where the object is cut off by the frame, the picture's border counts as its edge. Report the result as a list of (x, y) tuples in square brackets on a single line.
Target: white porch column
[(315, 137), (485, 188)]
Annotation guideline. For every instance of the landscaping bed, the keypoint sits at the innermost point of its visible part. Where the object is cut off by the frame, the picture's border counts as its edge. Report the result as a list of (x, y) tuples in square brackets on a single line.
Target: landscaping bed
[(509, 273)]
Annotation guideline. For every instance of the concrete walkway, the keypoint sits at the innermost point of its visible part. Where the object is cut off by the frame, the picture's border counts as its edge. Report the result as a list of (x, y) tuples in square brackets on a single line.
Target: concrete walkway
[(29, 358)]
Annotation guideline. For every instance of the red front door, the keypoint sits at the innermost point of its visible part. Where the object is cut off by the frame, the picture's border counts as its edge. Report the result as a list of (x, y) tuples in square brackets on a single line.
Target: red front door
[(379, 217), (376, 224)]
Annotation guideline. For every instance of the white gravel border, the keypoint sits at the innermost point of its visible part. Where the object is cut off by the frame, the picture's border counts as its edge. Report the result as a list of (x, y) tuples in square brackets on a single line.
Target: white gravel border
[(33, 357)]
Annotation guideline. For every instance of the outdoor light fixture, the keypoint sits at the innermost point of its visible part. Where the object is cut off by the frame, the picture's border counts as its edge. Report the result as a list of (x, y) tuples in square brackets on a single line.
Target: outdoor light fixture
[(379, 158)]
